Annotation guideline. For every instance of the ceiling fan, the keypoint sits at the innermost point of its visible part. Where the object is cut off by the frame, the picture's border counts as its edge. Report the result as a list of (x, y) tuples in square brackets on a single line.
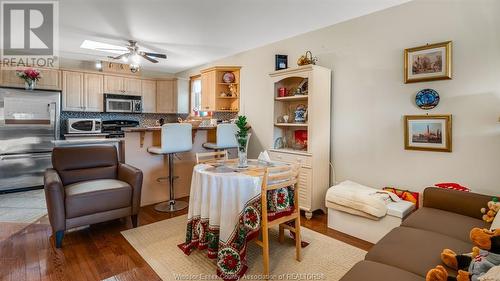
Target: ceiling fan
[(132, 53)]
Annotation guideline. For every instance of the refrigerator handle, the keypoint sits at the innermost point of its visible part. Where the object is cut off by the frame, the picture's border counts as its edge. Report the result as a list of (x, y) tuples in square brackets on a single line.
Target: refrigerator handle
[(56, 135)]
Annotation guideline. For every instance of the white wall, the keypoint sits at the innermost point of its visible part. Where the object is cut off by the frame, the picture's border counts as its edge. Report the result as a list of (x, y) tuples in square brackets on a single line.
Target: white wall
[(370, 98)]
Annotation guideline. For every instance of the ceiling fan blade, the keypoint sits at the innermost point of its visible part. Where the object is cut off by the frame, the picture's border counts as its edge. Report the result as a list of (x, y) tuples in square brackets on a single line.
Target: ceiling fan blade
[(156, 55), (109, 49), (148, 58), (120, 56)]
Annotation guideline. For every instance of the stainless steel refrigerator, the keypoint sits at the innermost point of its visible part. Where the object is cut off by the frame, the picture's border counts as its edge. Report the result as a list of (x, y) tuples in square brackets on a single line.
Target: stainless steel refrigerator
[(29, 122)]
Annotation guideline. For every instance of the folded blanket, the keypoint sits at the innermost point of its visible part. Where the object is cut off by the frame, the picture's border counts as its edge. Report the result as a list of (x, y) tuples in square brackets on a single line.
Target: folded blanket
[(363, 198)]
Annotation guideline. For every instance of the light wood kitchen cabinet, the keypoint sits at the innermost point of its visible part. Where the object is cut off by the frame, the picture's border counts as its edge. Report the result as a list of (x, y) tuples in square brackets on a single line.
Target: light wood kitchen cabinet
[(50, 79), (132, 86), (172, 95), (82, 91), (72, 92), (208, 94), (165, 96), (218, 95), (148, 89), (93, 85), (113, 84)]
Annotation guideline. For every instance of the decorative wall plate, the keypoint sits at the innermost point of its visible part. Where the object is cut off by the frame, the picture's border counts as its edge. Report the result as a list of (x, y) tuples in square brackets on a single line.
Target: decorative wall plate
[(228, 77), (427, 99)]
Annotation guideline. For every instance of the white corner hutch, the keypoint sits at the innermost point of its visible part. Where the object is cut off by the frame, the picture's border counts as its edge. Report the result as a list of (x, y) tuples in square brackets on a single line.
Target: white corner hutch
[(314, 158)]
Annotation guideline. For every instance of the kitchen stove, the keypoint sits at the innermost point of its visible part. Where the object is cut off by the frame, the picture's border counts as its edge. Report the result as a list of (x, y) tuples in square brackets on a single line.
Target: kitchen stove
[(114, 127)]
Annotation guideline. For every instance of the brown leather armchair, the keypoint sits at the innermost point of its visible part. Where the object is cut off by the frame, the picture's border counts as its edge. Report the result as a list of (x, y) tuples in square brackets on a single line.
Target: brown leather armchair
[(88, 185)]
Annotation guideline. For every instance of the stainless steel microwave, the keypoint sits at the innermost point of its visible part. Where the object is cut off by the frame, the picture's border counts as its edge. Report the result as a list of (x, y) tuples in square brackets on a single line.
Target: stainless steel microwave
[(122, 103), (84, 125)]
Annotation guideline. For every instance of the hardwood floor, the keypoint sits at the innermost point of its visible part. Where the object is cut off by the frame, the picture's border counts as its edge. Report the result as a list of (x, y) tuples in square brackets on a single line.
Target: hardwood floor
[(98, 252)]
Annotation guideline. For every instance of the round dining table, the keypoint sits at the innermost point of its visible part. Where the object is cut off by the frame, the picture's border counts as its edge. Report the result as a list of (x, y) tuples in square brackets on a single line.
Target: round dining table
[(225, 209)]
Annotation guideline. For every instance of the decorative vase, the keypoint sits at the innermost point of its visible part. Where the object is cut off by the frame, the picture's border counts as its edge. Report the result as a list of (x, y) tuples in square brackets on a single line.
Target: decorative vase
[(30, 85), (242, 150)]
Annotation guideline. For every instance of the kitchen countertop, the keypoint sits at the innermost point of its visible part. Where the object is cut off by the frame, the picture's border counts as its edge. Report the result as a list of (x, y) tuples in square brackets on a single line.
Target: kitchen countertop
[(158, 128), (85, 141)]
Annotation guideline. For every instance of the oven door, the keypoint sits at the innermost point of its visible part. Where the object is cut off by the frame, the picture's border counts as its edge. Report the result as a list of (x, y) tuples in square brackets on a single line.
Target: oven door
[(119, 105)]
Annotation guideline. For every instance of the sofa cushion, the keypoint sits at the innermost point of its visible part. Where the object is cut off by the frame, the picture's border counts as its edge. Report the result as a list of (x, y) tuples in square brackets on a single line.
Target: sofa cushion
[(447, 223), (374, 271), (414, 250), (94, 196)]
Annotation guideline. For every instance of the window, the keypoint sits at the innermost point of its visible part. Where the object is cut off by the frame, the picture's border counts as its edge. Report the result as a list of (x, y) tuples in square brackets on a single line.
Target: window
[(195, 94)]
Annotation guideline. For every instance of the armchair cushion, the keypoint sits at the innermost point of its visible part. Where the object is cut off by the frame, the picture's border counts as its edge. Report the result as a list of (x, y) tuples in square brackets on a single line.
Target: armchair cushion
[(94, 196)]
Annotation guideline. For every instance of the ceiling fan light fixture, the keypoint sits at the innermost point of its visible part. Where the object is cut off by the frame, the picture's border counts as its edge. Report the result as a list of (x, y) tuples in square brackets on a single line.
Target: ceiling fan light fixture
[(134, 67)]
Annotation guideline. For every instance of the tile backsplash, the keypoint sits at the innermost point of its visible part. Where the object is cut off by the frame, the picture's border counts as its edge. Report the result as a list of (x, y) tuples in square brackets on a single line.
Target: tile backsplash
[(145, 119)]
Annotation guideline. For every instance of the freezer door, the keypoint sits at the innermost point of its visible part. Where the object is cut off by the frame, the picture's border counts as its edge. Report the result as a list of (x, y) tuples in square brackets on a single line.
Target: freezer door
[(23, 170), (29, 121)]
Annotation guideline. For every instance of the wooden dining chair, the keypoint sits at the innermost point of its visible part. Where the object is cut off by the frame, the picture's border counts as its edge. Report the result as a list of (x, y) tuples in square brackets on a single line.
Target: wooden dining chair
[(205, 157), (275, 178)]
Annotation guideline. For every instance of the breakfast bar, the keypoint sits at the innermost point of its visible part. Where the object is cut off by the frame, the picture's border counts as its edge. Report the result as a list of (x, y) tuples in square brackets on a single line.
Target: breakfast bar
[(137, 141)]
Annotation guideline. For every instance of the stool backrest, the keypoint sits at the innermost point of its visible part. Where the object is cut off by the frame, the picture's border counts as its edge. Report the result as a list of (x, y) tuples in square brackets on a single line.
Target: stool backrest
[(226, 135), (176, 137)]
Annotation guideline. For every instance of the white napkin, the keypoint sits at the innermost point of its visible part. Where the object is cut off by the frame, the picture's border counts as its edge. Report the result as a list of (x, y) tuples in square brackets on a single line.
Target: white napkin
[(264, 156)]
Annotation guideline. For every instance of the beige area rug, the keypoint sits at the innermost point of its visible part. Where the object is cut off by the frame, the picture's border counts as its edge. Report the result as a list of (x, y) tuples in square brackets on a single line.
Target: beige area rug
[(325, 257)]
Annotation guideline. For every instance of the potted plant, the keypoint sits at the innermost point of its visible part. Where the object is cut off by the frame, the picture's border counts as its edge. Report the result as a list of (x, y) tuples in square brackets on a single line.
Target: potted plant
[(242, 137), (30, 77)]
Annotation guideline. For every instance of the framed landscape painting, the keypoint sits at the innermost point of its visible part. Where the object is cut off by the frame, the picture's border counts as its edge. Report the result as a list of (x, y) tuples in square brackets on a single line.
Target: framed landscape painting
[(428, 132), (428, 63)]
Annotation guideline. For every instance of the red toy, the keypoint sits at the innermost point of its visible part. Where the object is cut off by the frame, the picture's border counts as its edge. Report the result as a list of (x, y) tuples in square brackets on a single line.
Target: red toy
[(452, 185)]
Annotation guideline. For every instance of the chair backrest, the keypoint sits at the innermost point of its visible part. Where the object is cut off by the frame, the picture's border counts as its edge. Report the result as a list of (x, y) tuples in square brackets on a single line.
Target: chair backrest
[(226, 135), (205, 157), (82, 163), (275, 178), (176, 137)]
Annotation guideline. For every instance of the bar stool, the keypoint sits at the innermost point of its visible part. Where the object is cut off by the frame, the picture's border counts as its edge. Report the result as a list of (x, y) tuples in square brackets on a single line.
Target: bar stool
[(226, 138), (175, 138)]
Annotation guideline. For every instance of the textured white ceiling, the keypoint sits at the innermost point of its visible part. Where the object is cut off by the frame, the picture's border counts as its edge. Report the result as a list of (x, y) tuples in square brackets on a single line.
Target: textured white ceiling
[(193, 32)]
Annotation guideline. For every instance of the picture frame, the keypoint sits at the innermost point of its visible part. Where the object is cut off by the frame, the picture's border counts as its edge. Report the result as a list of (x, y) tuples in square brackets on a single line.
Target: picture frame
[(428, 63), (428, 132), (281, 62)]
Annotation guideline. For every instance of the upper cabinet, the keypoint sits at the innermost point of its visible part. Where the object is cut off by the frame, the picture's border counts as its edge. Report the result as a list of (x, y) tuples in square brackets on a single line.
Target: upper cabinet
[(82, 91), (93, 89), (220, 89), (72, 92), (50, 79), (172, 95), (148, 90), (132, 86), (113, 84)]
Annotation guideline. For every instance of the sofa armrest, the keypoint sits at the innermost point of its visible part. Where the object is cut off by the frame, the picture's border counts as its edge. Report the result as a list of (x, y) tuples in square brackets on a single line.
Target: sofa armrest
[(54, 197), (463, 203), (133, 177)]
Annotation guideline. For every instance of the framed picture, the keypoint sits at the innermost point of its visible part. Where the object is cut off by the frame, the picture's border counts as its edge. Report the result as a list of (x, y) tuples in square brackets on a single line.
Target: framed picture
[(428, 132), (281, 62), (428, 63)]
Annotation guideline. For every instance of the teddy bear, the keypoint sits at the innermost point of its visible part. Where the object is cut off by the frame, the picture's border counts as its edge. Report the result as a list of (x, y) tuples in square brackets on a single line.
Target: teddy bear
[(471, 266), (490, 213)]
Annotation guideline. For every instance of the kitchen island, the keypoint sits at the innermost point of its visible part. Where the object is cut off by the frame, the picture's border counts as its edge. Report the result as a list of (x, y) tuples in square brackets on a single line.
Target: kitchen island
[(137, 141)]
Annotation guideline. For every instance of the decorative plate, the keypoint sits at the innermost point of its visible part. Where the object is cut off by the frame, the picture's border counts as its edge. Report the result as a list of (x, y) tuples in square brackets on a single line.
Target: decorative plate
[(427, 99), (228, 77)]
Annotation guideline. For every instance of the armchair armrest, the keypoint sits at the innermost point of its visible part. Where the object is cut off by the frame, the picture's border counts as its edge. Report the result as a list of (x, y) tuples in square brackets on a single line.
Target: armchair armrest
[(54, 196), (463, 203), (133, 177)]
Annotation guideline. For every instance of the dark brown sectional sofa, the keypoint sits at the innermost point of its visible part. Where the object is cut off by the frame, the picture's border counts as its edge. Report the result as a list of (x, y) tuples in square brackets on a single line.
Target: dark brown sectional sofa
[(409, 251)]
